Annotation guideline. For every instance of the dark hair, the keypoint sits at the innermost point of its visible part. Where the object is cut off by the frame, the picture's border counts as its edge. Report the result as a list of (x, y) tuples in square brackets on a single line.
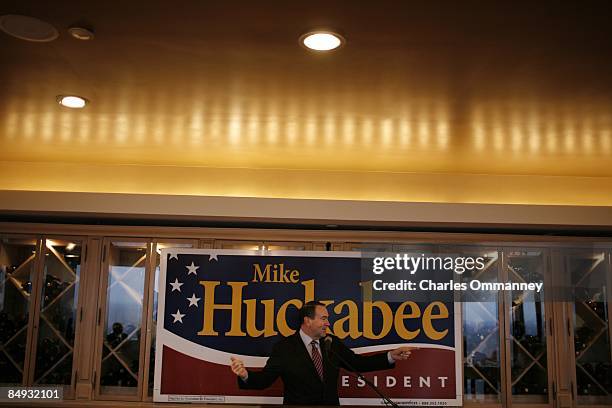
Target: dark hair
[(308, 310)]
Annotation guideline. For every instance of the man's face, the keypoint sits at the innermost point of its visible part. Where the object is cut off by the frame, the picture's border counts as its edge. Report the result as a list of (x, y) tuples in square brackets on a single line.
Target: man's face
[(317, 326)]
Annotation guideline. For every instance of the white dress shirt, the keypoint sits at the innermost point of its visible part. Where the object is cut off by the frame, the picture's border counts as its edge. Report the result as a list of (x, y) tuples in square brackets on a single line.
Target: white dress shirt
[(307, 342)]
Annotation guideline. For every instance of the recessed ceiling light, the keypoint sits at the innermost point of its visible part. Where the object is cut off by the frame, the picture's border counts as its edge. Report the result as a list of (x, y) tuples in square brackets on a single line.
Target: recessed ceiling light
[(81, 33), (322, 40), (72, 101), (28, 28)]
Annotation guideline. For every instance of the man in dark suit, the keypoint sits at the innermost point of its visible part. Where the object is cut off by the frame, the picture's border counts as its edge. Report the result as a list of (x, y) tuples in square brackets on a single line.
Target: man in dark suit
[(308, 368)]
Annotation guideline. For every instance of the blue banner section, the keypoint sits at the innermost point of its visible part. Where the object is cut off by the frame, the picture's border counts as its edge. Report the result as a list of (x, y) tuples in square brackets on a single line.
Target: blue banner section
[(242, 303)]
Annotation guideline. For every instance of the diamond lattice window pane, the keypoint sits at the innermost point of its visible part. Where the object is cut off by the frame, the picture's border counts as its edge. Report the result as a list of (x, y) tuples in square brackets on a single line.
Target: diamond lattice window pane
[(124, 312), (590, 276), (17, 258), (57, 318), (482, 369)]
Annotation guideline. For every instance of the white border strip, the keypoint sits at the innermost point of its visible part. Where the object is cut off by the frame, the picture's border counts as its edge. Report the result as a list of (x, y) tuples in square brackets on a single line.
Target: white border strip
[(194, 350)]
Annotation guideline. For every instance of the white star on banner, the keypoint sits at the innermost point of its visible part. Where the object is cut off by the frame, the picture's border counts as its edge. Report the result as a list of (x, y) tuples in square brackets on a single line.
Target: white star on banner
[(212, 256), (193, 300), (192, 269), (176, 285), (178, 316), (172, 255)]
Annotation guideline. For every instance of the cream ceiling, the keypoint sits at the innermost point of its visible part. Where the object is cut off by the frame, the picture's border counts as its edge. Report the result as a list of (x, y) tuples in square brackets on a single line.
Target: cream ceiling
[(428, 101)]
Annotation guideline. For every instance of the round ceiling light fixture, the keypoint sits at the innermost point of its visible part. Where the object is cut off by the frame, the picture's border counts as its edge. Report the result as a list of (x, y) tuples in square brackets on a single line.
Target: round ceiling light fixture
[(72, 101), (322, 40), (28, 28), (81, 33)]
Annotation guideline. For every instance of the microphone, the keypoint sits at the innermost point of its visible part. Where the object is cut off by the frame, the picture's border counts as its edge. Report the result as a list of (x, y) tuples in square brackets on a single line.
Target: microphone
[(327, 342)]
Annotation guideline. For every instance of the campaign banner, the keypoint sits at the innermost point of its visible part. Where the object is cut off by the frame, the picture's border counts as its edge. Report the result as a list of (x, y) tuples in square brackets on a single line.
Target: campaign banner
[(215, 304)]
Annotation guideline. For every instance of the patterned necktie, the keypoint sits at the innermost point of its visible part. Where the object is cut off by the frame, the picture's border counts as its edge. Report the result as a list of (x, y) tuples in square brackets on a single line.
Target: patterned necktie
[(316, 358)]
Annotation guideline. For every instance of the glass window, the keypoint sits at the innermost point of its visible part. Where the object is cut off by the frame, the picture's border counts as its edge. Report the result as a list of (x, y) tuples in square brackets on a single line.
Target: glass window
[(58, 310), (122, 326), (590, 276), (16, 273), (481, 334), (528, 354)]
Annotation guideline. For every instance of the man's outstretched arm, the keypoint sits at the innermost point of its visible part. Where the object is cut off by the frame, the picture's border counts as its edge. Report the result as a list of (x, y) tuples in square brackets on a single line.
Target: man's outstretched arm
[(257, 380), (374, 362)]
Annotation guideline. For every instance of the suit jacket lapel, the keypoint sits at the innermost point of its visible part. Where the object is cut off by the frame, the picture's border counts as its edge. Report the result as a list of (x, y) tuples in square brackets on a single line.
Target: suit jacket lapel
[(305, 355)]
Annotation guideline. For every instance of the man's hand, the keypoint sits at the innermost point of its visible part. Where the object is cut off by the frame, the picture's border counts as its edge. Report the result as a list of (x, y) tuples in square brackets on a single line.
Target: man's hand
[(402, 353), (238, 368)]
